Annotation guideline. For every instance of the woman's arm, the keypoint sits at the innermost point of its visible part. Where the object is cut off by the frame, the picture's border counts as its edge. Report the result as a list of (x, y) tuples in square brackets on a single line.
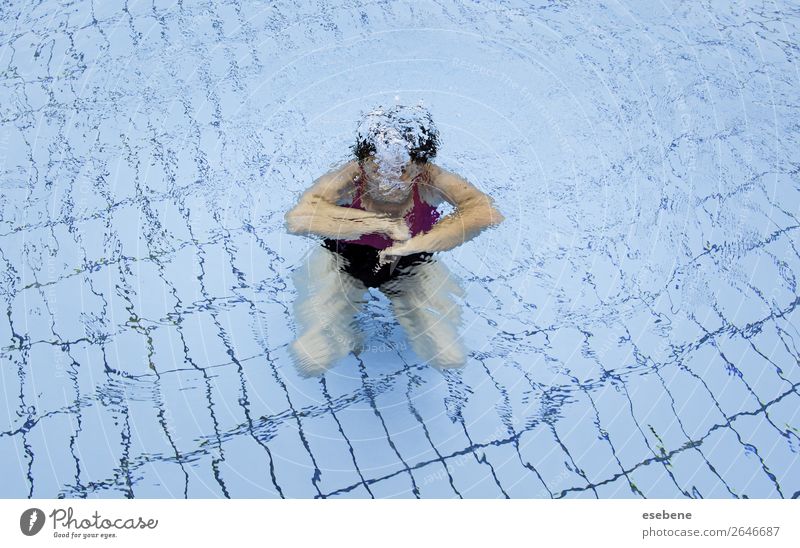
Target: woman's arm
[(317, 213), (474, 212)]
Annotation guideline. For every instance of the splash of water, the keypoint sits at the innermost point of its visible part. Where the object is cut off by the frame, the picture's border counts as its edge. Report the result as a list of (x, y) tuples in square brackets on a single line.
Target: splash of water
[(394, 133)]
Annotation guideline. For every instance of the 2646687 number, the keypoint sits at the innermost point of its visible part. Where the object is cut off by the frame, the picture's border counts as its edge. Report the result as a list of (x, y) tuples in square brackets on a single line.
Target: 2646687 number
[(754, 531)]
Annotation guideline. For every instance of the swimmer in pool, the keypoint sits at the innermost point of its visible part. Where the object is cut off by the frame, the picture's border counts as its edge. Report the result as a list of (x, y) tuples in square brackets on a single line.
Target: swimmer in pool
[(378, 217)]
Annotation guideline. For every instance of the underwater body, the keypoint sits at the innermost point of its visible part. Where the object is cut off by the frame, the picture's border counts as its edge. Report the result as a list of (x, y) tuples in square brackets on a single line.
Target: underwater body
[(630, 326)]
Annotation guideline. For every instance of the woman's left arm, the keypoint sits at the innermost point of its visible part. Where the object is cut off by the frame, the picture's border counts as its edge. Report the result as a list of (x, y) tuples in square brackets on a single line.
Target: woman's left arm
[(474, 211)]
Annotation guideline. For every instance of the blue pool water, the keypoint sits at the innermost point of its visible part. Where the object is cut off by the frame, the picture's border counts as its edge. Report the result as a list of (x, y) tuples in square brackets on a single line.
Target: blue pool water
[(631, 326)]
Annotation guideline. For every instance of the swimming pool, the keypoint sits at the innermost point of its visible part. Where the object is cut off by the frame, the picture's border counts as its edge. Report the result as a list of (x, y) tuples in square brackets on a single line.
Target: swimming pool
[(630, 325)]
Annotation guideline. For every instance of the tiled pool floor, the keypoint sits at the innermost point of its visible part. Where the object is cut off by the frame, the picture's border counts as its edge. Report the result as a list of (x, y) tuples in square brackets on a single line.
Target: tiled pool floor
[(631, 326)]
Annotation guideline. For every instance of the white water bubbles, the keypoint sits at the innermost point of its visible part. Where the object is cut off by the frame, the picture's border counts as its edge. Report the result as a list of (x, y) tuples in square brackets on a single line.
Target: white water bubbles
[(395, 136)]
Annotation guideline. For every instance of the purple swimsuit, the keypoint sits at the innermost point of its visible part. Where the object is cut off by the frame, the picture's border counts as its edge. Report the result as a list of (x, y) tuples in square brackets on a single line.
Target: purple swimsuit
[(362, 255), (420, 218)]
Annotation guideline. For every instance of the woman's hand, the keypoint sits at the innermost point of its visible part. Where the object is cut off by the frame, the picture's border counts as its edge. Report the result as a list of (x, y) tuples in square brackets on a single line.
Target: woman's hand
[(394, 252), (397, 230)]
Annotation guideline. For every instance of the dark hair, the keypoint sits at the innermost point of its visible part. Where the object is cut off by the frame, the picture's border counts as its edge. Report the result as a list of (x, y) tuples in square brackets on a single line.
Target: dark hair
[(413, 124)]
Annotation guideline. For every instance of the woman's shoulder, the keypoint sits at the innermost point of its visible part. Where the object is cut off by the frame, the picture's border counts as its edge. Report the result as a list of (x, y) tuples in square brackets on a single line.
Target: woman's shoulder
[(348, 173), (350, 192), (337, 185), (452, 187)]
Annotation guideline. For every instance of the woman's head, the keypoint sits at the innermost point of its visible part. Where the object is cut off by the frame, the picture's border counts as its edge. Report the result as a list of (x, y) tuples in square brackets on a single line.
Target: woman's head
[(389, 134), (391, 145)]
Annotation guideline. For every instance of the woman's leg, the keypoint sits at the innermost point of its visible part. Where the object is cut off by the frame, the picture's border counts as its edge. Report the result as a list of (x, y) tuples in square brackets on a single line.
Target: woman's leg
[(422, 296), (328, 300)]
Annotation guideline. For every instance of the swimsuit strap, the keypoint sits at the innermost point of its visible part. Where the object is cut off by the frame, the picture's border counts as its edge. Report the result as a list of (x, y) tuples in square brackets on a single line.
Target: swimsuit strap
[(417, 200)]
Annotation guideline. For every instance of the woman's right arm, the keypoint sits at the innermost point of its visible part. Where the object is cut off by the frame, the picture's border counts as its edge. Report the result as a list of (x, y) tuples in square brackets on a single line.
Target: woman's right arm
[(317, 213)]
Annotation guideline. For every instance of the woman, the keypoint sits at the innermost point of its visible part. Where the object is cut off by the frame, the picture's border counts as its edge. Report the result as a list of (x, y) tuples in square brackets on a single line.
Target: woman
[(380, 225)]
